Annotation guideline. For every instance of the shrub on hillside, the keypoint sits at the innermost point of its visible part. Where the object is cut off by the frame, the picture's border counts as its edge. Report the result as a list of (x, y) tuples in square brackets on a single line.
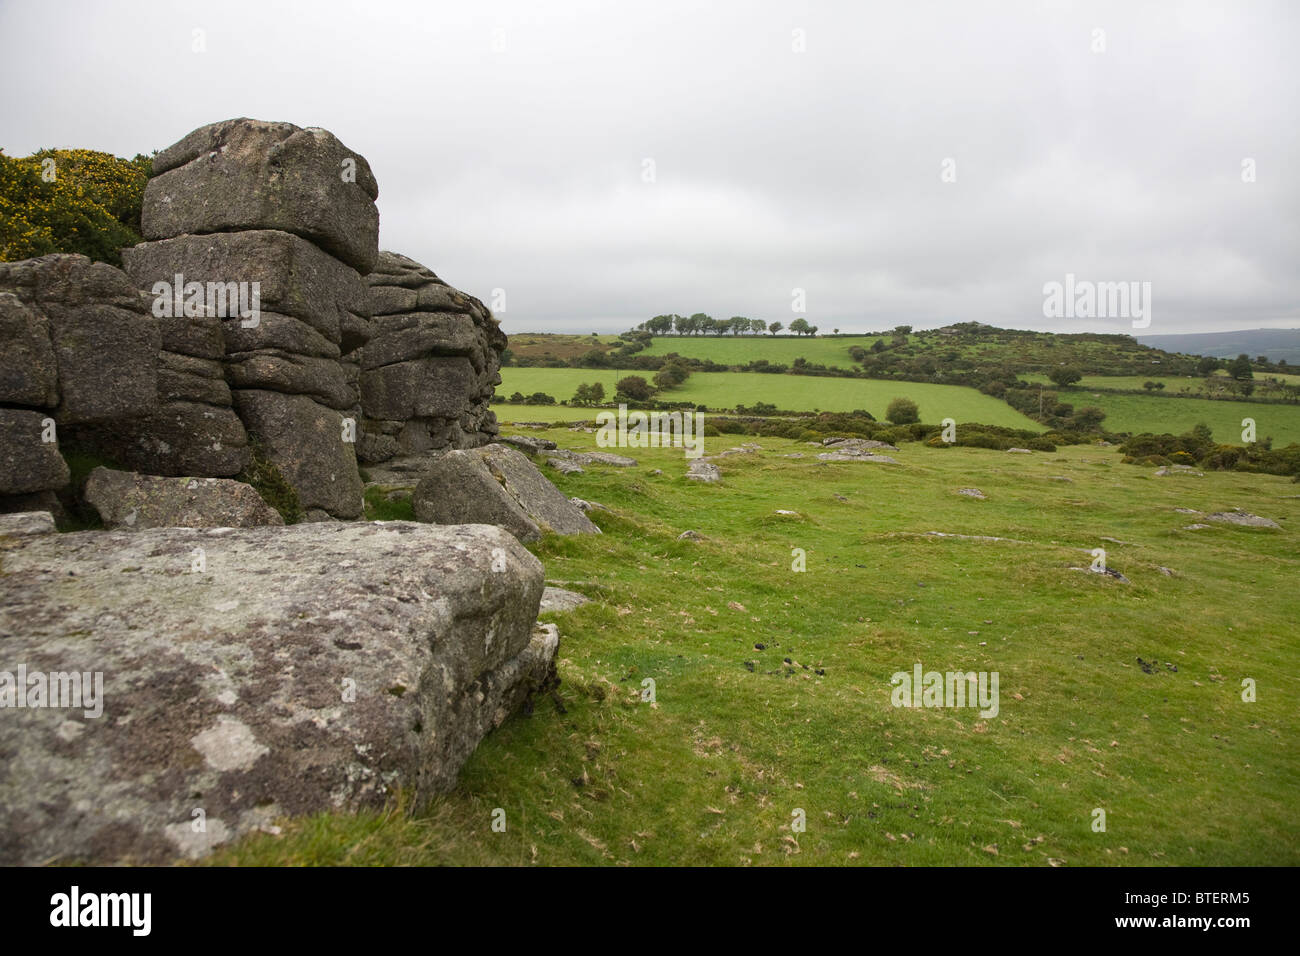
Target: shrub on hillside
[(902, 411), (633, 388), (1062, 377)]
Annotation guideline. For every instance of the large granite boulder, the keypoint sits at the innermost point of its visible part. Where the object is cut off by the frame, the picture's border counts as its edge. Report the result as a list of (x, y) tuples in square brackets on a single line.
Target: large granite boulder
[(306, 441), (27, 462), (125, 499), (28, 373), (496, 485), (103, 337), (431, 364), (294, 277), (246, 174), (248, 674)]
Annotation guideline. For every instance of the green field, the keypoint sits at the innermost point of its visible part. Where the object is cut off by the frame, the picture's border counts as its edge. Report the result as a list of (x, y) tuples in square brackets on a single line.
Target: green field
[(1146, 413), (773, 690), (794, 392), (1173, 384), (740, 350), (719, 390)]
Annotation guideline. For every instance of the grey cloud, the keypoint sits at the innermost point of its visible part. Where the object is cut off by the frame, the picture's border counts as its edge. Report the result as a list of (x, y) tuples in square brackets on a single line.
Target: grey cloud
[(520, 167)]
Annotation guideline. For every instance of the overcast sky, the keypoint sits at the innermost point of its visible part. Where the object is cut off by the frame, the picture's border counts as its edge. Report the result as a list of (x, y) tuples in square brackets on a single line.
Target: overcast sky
[(511, 141)]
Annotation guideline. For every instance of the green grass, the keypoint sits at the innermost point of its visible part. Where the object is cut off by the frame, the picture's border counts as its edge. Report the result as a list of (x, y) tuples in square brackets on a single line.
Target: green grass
[(738, 739), (379, 507), (794, 392)]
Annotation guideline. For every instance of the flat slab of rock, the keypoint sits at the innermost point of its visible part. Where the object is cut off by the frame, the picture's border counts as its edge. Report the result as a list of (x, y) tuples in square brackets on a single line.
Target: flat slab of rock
[(529, 444), (854, 455), (597, 458), (25, 523), (972, 493), (1165, 471), (303, 669), (128, 500), (840, 444), (496, 485), (564, 466), (559, 599), (1020, 451), (1243, 518)]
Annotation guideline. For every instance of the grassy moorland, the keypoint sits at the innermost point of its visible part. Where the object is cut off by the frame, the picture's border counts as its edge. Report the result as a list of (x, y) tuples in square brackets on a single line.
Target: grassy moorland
[(727, 389), (773, 686)]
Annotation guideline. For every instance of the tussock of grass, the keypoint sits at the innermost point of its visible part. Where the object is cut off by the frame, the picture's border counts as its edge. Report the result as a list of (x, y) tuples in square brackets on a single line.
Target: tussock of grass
[(268, 481)]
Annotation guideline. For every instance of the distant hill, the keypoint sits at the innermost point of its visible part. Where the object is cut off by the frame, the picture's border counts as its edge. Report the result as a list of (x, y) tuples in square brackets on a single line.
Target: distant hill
[(1277, 344)]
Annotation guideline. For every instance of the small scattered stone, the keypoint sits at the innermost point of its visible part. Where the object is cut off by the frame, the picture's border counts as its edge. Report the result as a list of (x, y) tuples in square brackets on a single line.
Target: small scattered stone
[(558, 599), (701, 470)]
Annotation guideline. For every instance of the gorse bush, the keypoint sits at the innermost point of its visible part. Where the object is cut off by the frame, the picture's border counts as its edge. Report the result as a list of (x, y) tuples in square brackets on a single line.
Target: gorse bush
[(71, 200), (1197, 447)]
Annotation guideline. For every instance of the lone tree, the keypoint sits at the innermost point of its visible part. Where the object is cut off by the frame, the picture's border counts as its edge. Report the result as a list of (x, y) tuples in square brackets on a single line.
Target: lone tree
[(1240, 369), (775, 327), (671, 375), (633, 388), (1062, 377), (902, 411)]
